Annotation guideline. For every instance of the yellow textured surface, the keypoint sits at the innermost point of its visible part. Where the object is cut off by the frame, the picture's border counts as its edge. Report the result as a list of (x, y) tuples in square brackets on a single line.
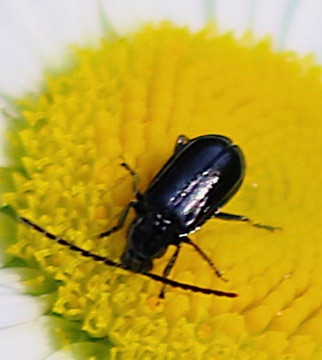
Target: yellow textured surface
[(130, 99)]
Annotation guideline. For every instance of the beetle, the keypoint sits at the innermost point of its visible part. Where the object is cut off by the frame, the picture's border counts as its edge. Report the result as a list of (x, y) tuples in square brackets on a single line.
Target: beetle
[(198, 179), (201, 176)]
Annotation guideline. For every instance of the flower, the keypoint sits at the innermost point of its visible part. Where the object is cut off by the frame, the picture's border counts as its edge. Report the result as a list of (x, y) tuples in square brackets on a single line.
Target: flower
[(128, 98)]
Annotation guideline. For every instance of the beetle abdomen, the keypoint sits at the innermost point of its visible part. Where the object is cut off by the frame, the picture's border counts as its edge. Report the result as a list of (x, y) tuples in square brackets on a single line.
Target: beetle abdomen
[(196, 181)]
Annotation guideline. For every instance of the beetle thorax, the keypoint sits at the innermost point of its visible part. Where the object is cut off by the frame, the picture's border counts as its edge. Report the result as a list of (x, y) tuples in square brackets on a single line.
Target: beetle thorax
[(148, 238)]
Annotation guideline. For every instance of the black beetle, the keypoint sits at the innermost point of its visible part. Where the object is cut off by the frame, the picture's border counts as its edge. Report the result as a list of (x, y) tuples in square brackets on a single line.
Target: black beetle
[(200, 177), (197, 180)]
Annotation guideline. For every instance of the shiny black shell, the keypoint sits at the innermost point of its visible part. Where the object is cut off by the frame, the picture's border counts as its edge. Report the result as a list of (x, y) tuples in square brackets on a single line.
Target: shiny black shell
[(200, 177)]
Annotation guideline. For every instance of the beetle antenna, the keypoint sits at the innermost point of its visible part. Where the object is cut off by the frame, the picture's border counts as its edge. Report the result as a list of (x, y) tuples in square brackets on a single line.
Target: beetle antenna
[(108, 262)]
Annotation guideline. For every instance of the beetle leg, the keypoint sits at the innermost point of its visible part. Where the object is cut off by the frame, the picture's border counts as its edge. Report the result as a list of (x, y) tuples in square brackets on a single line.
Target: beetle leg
[(121, 220), (135, 176), (234, 217), (204, 256), (168, 268), (181, 142)]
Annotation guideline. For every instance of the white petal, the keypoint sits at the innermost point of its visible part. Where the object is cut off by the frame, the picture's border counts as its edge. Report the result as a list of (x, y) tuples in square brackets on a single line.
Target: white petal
[(273, 18), (10, 282), (306, 28), (126, 15), (233, 15), (12, 279), (29, 341), (34, 34), (294, 25), (18, 309)]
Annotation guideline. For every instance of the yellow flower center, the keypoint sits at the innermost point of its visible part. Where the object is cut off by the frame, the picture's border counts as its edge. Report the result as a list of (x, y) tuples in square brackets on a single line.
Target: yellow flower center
[(128, 100)]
